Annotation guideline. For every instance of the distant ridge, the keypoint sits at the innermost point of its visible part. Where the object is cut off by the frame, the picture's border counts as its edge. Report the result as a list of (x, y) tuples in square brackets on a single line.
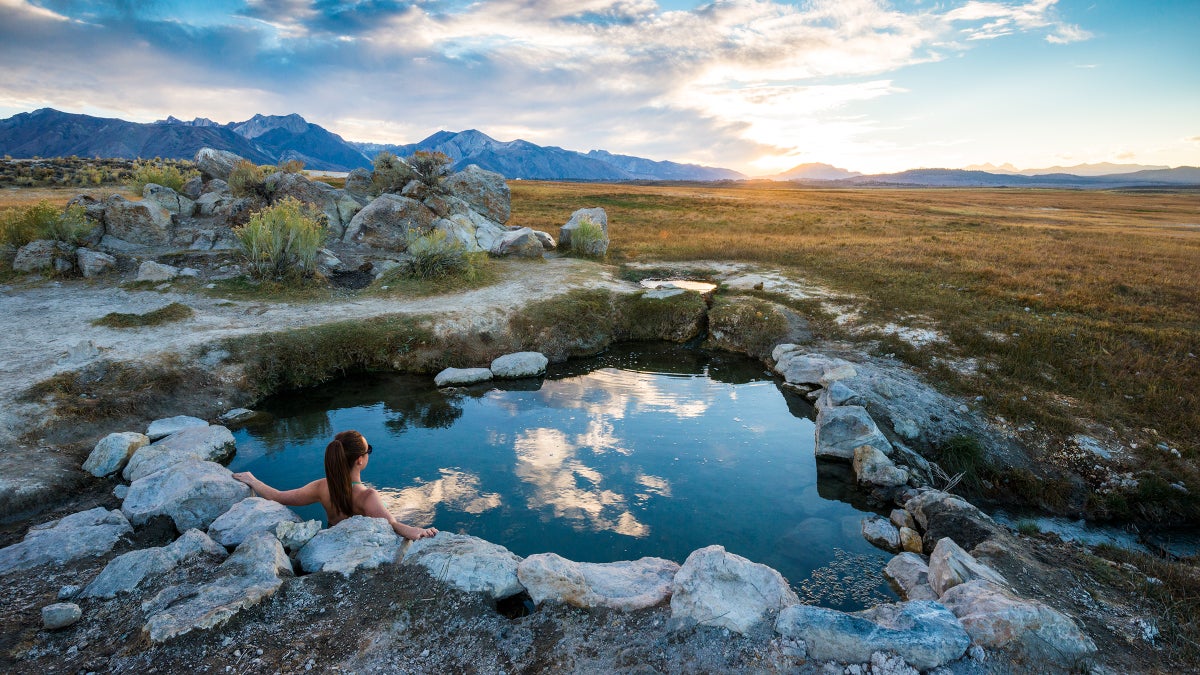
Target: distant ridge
[(1098, 169), (1179, 176), (815, 171)]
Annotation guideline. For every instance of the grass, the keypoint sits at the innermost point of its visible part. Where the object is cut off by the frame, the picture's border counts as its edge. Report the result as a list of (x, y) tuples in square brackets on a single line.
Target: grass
[(59, 196), (43, 220), (281, 241), (168, 314), (479, 271), (752, 324), (109, 391)]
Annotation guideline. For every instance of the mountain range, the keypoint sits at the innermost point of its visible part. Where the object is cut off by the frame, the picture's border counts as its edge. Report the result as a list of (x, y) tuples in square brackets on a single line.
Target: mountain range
[(269, 139)]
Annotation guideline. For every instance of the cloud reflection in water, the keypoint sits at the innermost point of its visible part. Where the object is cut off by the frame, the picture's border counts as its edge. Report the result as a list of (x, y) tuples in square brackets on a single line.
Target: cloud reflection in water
[(455, 489)]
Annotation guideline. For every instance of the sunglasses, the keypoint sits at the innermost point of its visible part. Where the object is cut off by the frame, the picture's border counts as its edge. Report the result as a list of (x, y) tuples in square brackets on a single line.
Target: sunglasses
[(369, 448)]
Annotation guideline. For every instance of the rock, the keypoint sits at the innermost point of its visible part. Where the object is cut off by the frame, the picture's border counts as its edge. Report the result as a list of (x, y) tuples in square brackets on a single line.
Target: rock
[(468, 563), (112, 452), (168, 199), (191, 493), (663, 293), (84, 534), (237, 416), (320, 196), (386, 222), (809, 369), (843, 428), (67, 592), (627, 585), (217, 186), (358, 183), (44, 255), (120, 491), (881, 533), (126, 572), (839, 394), (458, 376), (902, 518), (354, 543), (169, 425), (548, 243), (193, 188), (253, 514), (93, 208), (941, 514), (910, 540), (60, 615), (486, 191), (215, 203), (207, 443), (875, 468), (520, 364), (597, 216), (251, 574), (716, 588), (144, 223), (751, 325), (994, 618), (216, 163), (910, 574), (950, 566), (154, 271), (907, 429), (294, 536), (924, 633), (522, 243), (92, 263)]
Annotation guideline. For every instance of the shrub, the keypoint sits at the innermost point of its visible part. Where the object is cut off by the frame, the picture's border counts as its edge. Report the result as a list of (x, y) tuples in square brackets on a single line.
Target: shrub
[(159, 174), (391, 174), (587, 239), (19, 226), (434, 255), (430, 167), (281, 241), (248, 180), (291, 166)]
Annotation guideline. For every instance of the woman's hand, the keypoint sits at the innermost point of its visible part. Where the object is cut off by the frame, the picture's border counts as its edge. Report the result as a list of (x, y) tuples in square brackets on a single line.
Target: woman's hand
[(415, 533), (246, 477)]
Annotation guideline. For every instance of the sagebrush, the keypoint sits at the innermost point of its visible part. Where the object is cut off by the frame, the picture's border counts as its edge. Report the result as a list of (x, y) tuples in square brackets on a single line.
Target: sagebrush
[(43, 220), (165, 175), (281, 242)]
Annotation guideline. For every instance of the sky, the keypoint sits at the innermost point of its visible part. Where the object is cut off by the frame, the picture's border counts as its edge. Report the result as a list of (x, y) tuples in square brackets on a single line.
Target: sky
[(753, 85)]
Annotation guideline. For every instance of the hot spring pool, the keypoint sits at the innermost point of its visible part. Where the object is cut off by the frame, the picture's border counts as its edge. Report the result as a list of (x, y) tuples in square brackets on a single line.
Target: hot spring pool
[(647, 450)]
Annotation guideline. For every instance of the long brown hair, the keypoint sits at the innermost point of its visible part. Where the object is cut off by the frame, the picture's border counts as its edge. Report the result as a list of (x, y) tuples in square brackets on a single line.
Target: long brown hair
[(340, 455)]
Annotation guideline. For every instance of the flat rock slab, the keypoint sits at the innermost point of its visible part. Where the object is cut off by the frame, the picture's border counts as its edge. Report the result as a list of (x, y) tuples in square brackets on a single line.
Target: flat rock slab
[(127, 571), (995, 618), (191, 494), (112, 453), (924, 633), (253, 514), (251, 574), (87, 533), (206, 443), (910, 574), (520, 364), (355, 543), (626, 585), (717, 588), (460, 376), (950, 565), (811, 370), (468, 563), (170, 425), (842, 429)]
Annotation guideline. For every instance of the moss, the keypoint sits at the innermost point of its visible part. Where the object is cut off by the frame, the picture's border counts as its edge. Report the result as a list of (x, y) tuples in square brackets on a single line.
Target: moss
[(107, 390), (172, 312), (748, 325), (677, 318), (578, 323)]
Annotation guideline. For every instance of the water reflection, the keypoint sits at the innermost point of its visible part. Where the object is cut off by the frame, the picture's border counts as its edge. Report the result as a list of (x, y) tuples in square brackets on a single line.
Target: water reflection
[(454, 490)]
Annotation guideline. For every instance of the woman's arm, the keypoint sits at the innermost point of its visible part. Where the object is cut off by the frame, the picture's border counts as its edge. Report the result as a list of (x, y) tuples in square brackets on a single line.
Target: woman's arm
[(373, 507), (303, 496)]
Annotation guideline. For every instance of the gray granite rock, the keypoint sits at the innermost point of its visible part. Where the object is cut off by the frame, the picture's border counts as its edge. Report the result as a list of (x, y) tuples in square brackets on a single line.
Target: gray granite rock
[(520, 243), (467, 563), (126, 572), (910, 574), (874, 468), (950, 565), (940, 514), (143, 223), (216, 163), (79, 535), (162, 428), (460, 376), (207, 443), (627, 585), (294, 535), (717, 588), (251, 515), (60, 615), (485, 191), (168, 199), (520, 364), (596, 215), (811, 370), (902, 518), (112, 453), (355, 543), (843, 428), (882, 533), (92, 263), (44, 255), (191, 493)]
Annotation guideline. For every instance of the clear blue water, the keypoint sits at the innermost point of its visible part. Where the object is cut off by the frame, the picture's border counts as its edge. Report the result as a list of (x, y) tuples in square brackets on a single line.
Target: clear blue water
[(648, 450)]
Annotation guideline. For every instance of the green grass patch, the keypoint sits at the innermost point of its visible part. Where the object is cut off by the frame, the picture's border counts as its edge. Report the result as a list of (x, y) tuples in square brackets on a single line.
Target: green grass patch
[(172, 312), (747, 324), (112, 391), (480, 271)]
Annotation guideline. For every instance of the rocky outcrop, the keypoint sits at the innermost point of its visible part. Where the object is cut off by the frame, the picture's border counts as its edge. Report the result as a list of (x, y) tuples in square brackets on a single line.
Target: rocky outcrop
[(594, 215), (753, 326), (143, 223), (925, 634), (519, 364), (842, 429), (717, 588), (627, 585), (460, 376), (950, 566), (207, 443), (809, 370), (216, 163), (468, 563), (338, 206), (387, 221), (909, 573), (486, 191), (191, 493), (112, 453), (92, 263), (251, 574), (169, 199), (126, 572), (161, 428), (45, 255), (79, 535), (247, 517), (355, 543)]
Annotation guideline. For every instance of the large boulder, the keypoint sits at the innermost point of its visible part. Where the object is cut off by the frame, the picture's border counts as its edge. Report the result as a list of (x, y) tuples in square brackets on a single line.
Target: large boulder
[(874, 468), (216, 163), (717, 588), (594, 215), (519, 364), (247, 517), (753, 326), (338, 207), (127, 571), (924, 633), (841, 429), (193, 188), (909, 573), (882, 533), (216, 203), (112, 452), (386, 222), (358, 183), (950, 566), (996, 619), (627, 585), (251, 574), (151, 270), (355, 543), (208, 443), (45, 255), (79, 535), (522, 243), (486, 191), (168, 199), (191, 493), (468, 563), (460, 376), (809, 370), (92, 263), (143, 223), (941, 514), (161, 428)]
